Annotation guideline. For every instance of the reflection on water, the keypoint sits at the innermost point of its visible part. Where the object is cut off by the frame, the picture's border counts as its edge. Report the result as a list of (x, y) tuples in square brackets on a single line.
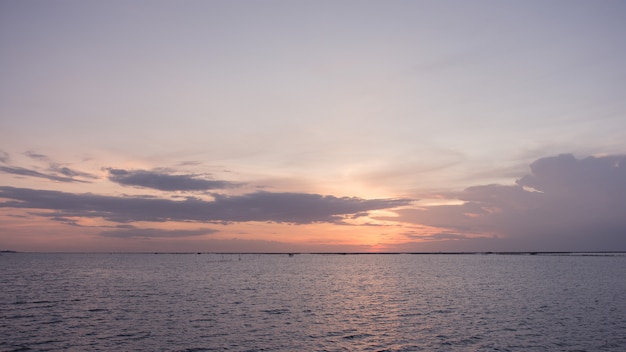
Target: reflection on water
[(308, 302)]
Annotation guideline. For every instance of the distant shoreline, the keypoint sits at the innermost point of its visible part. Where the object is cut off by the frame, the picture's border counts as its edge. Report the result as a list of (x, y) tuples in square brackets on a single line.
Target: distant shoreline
[(563, 253)]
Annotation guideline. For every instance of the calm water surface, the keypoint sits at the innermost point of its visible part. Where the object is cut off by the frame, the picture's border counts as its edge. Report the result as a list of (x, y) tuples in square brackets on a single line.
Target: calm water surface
[(254, 302)]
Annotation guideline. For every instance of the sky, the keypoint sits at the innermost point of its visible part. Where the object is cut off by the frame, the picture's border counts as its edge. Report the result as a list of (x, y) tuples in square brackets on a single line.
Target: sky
[(312, 126)]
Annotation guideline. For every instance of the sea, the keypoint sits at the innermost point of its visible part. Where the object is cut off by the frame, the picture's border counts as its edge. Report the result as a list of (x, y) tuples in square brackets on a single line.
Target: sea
[(312, 302)]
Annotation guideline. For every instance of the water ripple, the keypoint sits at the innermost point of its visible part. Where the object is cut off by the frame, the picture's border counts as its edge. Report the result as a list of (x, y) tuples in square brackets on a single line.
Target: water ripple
[(312, 303)]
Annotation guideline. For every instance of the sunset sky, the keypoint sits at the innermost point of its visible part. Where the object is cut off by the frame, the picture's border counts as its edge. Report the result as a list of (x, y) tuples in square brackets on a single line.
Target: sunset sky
[(313, 126)]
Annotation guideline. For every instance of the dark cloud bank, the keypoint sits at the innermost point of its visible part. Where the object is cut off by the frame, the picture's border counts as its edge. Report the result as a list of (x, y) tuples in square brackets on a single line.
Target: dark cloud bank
[(297, 208), (563, 204)]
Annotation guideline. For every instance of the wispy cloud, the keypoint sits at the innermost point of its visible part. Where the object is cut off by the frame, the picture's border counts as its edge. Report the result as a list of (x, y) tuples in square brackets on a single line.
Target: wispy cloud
[(34, 155), (20, 171), (135, 232), (54, 171), (165, 181), (66, 171), (297, 208), (4, 157), (438, 236)]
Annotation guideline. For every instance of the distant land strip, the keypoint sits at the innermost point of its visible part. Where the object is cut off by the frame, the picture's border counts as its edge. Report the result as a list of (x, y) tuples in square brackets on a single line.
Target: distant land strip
[(551, 253)]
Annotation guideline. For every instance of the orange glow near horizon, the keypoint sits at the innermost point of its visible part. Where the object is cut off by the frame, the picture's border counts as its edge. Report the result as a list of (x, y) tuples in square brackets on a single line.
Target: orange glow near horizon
[(41, 234)]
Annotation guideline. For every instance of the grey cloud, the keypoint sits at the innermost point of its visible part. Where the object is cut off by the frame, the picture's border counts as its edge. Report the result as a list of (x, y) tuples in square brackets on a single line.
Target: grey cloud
[(297, 208), (20, 171), (135, 232), (56, 172), (590, 177), (66, 171), (563, 204), (35, 155), (189, 163), (62, 220), (165, 181), (436, 237), (446, 236), (4, 157)]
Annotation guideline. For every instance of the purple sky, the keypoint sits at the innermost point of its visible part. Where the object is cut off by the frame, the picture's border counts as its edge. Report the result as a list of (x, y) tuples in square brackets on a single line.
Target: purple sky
[(312, 126)]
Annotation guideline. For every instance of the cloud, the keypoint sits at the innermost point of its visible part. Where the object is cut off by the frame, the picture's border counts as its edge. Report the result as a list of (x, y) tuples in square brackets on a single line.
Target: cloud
[(56, 172), (62, 220), (164, 181), (134, 232), (20, 171), (440, 236), (4, 157), (296, 208), (35, 155), (563, 204), (66, 171)]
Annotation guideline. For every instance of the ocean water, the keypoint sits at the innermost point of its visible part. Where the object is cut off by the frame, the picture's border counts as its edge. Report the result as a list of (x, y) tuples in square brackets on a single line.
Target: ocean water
[(312, 302)]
